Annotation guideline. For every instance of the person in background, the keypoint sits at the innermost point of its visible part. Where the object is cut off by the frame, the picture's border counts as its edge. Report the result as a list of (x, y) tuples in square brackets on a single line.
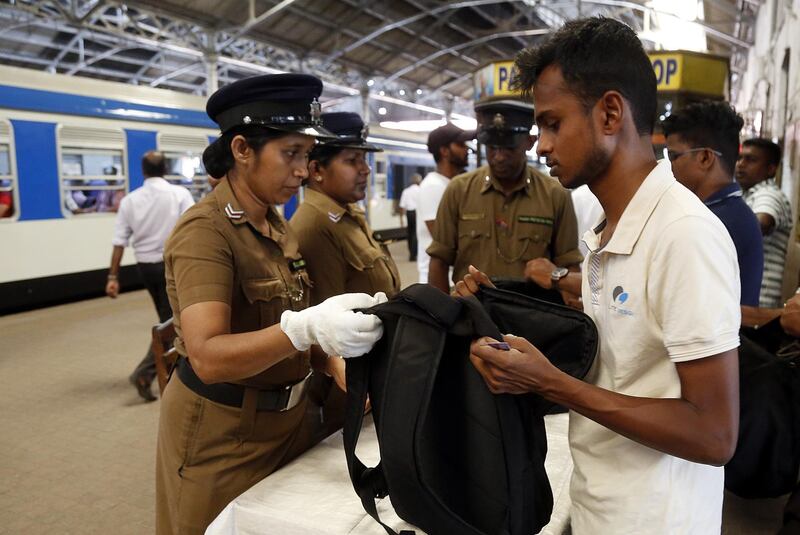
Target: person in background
[(755, 170), (506, 218), (145, 218), (235, 409), (702, 146), (408, 206), (335, 239), (656, 417), (448, 146), (6, 204)]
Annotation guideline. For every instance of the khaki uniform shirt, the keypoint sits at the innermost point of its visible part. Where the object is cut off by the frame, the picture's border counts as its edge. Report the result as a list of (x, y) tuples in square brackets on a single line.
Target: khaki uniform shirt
[(215, 254), (342, 255), (477, 224)]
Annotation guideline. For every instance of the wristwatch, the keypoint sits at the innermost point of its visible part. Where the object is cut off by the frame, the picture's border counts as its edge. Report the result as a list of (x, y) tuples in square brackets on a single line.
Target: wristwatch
[(557, 274)]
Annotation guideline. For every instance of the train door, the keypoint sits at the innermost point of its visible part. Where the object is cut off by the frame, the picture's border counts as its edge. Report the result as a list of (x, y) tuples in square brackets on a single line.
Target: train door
[(184, 153), (9, 195), (92, 169)]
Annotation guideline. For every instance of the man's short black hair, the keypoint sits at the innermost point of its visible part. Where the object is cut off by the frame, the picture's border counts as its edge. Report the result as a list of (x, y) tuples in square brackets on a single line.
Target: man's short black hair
[(709, 123), (154, 163), (596, 55), (772, 150)]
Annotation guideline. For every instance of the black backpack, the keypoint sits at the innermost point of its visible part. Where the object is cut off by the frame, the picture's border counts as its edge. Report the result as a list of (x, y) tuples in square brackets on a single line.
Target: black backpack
[(767, 458), (455, 458)]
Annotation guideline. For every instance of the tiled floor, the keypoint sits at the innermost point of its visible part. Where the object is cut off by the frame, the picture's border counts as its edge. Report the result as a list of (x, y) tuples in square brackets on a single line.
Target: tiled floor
[(76, 443)]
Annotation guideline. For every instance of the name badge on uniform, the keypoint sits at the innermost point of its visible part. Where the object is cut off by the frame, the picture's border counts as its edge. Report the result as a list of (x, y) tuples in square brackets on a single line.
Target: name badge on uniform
[(472, 217), (297, 265), (535, 219)]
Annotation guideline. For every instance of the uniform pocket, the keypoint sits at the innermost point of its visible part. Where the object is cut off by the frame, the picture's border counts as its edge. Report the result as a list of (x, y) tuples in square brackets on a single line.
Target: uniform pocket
[(362, 259), (535, 242), (269, 295)]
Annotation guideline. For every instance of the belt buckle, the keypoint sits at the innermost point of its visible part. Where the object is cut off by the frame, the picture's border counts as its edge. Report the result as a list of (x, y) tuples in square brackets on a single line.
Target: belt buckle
[(296, 393)]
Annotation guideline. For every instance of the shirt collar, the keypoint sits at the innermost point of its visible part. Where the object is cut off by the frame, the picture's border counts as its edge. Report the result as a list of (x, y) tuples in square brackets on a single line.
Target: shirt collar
[(333, 210), (232, 210), (636, 214), (731, 190), (155, 181), (489, 182)]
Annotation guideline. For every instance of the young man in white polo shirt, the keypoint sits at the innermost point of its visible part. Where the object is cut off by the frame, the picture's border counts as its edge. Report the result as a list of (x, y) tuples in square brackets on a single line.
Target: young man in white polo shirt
[(657, 415)]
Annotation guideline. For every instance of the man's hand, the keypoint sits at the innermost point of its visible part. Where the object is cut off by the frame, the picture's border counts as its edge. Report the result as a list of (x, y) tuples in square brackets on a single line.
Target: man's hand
[(539, 271), (519, 370), (790, 319), (112, 288), (471, 283)]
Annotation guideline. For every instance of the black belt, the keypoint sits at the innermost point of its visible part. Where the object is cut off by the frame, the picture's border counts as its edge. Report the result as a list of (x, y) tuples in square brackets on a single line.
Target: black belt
[(278, 399)]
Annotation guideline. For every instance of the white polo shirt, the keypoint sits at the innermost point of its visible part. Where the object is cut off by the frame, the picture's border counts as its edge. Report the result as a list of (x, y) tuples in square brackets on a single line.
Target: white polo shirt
[(664, 290)]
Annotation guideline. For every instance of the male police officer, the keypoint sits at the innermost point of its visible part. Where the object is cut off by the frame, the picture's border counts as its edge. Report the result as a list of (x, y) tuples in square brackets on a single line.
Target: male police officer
[(504, 215)]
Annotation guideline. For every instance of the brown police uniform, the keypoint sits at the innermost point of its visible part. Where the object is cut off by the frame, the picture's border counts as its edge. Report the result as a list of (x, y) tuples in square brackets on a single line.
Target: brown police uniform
[(341, 254), (342, 257), (210, 452), (476, 224)]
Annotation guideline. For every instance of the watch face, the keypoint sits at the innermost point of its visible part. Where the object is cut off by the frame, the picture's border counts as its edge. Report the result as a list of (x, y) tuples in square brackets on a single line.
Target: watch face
[(559, 273)]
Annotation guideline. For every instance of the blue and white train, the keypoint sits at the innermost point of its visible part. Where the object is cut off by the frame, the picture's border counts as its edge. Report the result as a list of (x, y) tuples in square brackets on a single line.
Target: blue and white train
[(71, 147)]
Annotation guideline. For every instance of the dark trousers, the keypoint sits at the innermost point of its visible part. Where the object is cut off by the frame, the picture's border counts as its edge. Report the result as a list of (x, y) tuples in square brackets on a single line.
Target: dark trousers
[(411, 217), (153, 278)]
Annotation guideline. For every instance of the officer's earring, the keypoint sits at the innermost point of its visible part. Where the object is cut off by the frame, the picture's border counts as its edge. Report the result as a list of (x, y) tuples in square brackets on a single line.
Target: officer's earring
[(318, 178)]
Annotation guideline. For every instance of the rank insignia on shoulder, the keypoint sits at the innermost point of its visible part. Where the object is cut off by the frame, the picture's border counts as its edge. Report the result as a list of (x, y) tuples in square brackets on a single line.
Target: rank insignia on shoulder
[(233, 213), (297, 265), (333, 216)]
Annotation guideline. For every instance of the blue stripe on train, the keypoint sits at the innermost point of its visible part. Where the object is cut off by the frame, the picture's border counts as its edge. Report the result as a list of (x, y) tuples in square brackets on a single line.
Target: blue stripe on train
[(53, 102), (139, 142), (37, 170)]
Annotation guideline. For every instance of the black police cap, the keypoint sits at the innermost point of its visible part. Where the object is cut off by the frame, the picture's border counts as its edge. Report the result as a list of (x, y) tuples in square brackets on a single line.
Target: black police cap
[(349, 129), (286, 102), (503, 123)]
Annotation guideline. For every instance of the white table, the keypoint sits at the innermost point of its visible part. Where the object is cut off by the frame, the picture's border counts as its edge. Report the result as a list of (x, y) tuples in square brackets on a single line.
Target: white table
[(313, 495)]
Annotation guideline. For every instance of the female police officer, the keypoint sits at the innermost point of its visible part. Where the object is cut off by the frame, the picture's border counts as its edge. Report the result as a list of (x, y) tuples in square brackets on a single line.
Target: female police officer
[(238, 287), (334, 236)]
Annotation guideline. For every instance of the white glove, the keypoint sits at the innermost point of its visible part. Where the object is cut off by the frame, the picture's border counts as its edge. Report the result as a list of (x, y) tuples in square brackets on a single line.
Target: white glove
[(333, 325)]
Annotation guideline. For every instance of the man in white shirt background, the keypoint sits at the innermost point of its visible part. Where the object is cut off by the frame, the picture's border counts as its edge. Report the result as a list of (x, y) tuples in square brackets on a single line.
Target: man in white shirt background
[(450, 152), (408, 206), (145, 218)]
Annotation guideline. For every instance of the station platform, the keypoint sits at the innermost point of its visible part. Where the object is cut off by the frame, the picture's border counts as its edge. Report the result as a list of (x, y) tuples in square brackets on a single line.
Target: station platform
[(79, 444)]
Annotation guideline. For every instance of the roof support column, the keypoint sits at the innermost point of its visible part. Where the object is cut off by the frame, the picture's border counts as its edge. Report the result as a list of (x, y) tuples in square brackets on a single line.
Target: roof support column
[(212, 80)]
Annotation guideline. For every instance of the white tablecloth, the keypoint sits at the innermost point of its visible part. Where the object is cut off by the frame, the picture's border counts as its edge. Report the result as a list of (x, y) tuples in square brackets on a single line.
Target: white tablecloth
[(313, 495)]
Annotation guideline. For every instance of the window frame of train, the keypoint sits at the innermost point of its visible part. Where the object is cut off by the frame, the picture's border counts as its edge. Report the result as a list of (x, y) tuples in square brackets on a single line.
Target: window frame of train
[(91, 141), (8, 175), (177, 146)]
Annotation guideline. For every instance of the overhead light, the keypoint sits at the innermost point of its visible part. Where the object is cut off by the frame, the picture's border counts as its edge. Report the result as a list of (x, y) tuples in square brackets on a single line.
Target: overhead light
[(419, 91), (402, 92), (370, 83), (382, 92), (381, 111), (421, 125)]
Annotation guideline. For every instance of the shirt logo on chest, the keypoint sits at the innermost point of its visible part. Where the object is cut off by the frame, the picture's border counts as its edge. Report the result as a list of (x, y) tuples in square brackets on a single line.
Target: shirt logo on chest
[(620, 297)]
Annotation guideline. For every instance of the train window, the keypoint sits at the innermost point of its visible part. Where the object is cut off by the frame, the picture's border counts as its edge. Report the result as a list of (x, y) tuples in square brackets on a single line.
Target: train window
[(184, 162), (8, 177), (92, 169)]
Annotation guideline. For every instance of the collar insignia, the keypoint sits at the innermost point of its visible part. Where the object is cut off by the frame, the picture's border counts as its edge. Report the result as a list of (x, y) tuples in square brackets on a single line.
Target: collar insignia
[(232, 213), (335, 217)]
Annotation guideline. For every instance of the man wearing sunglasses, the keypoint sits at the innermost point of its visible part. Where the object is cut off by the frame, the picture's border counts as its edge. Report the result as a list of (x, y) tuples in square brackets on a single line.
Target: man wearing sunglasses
[(702, 145)]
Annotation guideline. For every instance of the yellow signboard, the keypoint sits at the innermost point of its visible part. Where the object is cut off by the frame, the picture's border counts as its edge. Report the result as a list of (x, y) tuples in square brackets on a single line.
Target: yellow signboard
[(494, 81), (691, 71)]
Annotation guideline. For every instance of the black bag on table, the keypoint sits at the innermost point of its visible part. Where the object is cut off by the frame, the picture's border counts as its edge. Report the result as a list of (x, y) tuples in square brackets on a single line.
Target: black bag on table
[(455, 458), (767, 458)]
